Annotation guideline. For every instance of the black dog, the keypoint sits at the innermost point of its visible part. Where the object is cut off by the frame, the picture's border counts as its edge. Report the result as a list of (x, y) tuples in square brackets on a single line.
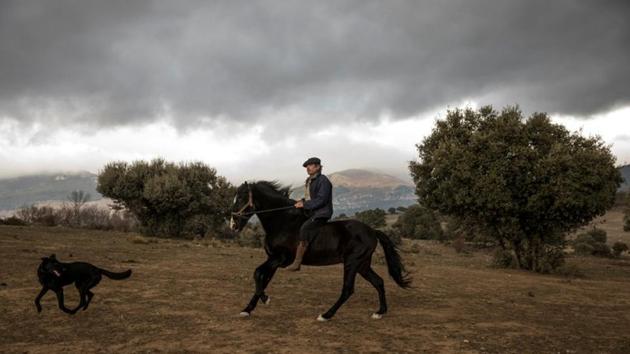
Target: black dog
[(54, 275)]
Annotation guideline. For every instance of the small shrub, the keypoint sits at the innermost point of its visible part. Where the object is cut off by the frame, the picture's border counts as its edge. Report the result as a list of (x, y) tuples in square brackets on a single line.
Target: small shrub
[(598, 235), (13, 220), (551, 259), (89, 217), (503, 259), (373, 217), (96, 218), (583, 238), (252, 235), (592, 243), (419, 222), (583, 248), (619, 248), (601, 250)]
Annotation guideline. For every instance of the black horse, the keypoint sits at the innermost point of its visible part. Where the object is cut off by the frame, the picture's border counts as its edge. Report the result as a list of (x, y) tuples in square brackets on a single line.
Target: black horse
[(350, 242)]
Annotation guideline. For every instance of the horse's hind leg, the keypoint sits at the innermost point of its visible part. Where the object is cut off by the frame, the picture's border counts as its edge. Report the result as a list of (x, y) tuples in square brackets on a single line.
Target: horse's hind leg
[(377, 282), (349, 276), (262, 276)]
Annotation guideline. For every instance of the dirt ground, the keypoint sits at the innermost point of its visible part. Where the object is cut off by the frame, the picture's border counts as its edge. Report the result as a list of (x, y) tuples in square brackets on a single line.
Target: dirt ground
[(185, 296)]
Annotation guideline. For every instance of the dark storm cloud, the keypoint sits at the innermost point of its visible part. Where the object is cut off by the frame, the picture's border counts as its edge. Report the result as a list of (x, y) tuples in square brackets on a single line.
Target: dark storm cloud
[(119, 62)]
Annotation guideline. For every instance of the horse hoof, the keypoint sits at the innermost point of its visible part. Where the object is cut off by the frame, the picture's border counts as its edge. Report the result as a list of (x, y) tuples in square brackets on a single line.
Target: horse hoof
[(377, 316), (321, 318), (267, 300), (244, 314)]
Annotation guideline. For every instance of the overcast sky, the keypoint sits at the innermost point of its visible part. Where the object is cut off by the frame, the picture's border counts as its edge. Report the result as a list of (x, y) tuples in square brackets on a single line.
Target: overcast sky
[(254, 88)]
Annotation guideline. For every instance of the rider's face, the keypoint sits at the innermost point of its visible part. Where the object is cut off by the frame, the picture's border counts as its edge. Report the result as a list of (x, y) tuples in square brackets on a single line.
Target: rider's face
[(312, 169)]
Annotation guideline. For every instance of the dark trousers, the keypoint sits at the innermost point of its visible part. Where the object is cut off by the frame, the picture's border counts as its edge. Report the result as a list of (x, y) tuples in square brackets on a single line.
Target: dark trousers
[(310, 228)]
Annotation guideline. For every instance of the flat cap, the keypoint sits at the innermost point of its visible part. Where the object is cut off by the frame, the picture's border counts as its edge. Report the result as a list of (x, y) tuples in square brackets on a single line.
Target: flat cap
[(312, 160)]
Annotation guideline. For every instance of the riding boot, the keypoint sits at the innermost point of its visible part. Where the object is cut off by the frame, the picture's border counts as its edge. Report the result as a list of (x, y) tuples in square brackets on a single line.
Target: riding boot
[(299, 254)]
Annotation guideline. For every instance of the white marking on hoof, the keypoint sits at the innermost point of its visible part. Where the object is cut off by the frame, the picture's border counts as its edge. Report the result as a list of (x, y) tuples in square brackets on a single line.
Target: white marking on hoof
[(244, 314), (266, 302), (377, 316), (321, 318)]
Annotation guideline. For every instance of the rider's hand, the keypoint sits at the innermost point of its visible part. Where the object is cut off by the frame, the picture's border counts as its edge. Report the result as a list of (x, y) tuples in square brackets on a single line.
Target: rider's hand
[(299, 204)]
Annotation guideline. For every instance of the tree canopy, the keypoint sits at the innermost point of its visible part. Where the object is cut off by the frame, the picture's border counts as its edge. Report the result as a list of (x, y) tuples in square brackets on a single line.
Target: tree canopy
[(168, 199), (525, 181)]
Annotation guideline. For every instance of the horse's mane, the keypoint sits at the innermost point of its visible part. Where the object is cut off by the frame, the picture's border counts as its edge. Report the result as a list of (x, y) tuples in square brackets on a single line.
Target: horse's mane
[(274, 189)]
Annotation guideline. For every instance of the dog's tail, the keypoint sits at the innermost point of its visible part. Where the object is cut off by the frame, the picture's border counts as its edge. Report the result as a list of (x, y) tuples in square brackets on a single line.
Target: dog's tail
[(116, 276)]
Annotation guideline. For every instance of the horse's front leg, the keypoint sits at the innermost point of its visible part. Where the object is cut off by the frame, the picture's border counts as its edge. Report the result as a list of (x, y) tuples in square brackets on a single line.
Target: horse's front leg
[(262, 277), (349, 276)]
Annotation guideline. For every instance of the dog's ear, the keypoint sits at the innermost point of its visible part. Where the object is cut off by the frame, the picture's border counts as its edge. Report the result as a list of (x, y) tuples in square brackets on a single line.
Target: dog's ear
[(52, 256), (44, 258)]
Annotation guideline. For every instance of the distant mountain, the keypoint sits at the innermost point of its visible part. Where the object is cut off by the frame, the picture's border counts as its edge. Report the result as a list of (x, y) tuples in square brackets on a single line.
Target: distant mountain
[(26, 190), (625, 172), (358, 189)]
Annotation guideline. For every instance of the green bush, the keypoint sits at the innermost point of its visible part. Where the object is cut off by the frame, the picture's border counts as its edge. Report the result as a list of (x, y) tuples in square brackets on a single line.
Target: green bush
[(551, 259), (251, 236), (418, 222), (592, 243), (583, 248), (13, 220), (601, 250), (598, 235), (372, 217)]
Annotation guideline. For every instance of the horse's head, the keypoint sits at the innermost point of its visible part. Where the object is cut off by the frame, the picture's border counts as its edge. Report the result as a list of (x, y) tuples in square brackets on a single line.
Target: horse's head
[(242, 207)]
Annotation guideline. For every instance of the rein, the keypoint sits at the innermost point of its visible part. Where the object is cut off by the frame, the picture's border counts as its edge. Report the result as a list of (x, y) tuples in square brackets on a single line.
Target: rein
[(250, 203)]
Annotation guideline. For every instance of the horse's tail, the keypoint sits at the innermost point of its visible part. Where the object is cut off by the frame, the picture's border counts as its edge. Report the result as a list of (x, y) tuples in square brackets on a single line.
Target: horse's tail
[(116, 276), (394, 264)]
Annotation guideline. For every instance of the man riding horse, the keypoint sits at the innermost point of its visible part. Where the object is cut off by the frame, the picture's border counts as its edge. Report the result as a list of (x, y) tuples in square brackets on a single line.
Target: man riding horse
[(287, 228), (317, 204)]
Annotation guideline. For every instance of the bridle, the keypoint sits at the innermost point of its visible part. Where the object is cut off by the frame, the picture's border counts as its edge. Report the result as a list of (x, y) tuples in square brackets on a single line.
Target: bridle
[(250, 204)]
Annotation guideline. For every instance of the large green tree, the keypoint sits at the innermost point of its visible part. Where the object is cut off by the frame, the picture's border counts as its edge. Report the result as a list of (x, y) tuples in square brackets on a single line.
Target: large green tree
[(525, 182), (168, 199)]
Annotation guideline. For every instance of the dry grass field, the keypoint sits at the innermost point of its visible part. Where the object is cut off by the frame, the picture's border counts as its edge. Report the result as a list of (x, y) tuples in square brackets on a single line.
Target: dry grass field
[(185, 296)]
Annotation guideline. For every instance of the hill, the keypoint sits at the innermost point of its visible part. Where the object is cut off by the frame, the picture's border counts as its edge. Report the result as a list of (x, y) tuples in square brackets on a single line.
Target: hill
[(26, 190), (360, 189)]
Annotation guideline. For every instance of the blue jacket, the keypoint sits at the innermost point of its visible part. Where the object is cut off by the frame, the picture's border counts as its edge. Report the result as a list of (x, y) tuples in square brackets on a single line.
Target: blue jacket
[(320, 205)]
